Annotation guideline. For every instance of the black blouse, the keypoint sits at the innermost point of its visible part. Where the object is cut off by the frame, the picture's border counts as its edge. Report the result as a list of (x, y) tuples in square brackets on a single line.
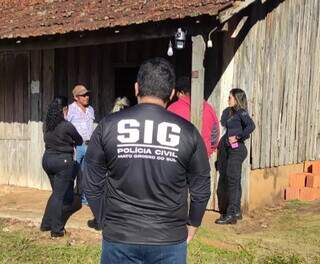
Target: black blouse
[(62, 139), (238, 123)]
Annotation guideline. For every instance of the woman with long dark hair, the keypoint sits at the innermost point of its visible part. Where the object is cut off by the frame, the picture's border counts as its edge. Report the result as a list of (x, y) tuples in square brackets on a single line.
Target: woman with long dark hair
[(60, 138), (231, 154)]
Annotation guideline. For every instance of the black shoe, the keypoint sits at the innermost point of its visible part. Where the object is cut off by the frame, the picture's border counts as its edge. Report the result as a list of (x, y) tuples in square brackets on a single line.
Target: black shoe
[(58, 234), (238, 216), (227, 220), (93, 224), (220, 218)]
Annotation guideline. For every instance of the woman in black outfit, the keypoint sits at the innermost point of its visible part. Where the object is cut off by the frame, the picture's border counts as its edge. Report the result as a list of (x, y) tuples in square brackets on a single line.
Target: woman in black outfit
[(60, 138), (231, 154)]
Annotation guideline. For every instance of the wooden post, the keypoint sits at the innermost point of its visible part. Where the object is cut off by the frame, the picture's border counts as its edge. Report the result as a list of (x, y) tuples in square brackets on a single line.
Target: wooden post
[(197, 96), (197, 81)]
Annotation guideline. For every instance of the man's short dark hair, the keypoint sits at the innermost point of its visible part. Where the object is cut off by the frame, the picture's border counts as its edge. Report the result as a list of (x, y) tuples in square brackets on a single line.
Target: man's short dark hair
[(184, 84), (156, 77)]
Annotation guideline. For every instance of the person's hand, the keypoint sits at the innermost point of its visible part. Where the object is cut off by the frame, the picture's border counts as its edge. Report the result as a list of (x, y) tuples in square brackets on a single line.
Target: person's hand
[(191, 232), (233, 139)]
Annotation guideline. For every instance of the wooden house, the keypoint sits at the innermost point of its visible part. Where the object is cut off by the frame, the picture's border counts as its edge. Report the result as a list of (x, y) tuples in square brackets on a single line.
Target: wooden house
[(269, 48)]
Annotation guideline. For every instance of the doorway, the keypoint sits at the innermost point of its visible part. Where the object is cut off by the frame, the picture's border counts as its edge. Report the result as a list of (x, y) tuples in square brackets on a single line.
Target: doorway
[(125, 78)]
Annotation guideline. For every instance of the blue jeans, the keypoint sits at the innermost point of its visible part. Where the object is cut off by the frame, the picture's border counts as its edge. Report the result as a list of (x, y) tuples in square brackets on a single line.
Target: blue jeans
[(116, 253), (80, 152)]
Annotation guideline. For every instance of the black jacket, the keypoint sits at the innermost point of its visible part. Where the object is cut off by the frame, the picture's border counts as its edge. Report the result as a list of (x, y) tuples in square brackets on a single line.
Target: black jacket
[(238, 124), (147, 153), (62, 139)]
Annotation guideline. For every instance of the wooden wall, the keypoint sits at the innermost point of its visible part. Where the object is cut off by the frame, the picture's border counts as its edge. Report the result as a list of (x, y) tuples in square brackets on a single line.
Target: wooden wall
[(95, 67), (276, 59), (29, 81), (22, 98)]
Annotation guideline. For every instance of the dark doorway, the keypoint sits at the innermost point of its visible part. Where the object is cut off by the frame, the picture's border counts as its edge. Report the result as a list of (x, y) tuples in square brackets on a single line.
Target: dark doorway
[(125, 79)]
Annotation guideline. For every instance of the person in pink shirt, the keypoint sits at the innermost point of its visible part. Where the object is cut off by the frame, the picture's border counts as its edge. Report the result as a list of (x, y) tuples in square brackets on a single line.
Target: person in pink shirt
[(210, 131)]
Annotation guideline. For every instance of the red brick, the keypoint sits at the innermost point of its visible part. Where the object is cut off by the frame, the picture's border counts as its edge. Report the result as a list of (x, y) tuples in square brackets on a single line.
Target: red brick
[(312, 166), (309, 194), (298, 179), (316, 167), (313, 180), (291, 193)]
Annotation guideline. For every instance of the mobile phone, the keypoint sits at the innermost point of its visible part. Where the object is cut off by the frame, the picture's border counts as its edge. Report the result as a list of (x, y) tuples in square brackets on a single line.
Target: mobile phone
[(234, 145)]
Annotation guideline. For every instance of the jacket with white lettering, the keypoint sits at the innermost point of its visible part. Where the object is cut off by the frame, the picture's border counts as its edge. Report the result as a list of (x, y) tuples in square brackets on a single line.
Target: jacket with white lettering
[(135, 176)]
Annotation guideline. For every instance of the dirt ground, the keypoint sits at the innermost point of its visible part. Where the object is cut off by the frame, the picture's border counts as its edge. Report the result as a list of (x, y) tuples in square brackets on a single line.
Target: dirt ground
[(23, 208), (26, 205)]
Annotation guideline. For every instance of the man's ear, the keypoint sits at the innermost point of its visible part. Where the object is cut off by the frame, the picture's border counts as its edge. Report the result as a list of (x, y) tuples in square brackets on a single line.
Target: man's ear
[(75, 98), (136, 89), (172, 94)]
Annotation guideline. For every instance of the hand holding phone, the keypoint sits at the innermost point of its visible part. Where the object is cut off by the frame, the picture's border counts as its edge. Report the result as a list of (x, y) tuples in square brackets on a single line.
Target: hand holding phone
[(233, 142)]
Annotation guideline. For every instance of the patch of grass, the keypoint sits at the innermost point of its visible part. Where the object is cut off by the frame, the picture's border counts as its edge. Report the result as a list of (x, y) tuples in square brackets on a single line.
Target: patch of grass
[(292, 236), (200, 253), (16, 248), (279, 259), (295, 204)]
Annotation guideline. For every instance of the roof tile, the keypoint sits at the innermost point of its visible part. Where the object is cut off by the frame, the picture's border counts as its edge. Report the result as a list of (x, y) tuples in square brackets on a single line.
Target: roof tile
[(31, 18)]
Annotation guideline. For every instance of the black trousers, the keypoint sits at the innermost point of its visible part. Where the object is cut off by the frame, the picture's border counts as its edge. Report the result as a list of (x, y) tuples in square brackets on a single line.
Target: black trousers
[(61, 170), (229, 186)]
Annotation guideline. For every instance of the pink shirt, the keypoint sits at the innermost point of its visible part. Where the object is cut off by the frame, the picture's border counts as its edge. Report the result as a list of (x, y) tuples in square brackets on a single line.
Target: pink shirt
[(210, 124), (83, 121)]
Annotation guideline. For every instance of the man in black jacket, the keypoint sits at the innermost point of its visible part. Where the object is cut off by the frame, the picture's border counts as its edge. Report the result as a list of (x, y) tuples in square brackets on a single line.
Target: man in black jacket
[(136, 171)]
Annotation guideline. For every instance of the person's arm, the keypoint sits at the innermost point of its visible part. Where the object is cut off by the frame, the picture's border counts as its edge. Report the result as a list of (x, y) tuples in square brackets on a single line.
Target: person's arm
[(94, 175), (92, 113), (69, 114), (74, 134), (215, 132), (224, 117), (199, 185), (247, 125)]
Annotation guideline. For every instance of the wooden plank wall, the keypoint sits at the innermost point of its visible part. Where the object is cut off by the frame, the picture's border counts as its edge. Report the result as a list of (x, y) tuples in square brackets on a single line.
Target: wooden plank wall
[(14, 129), (94, 67), (30, 80), (276, 62), (25, 93)]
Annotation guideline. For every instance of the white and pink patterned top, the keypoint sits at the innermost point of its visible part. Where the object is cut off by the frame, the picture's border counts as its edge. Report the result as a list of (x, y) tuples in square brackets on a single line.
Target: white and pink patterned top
[(83, 121)]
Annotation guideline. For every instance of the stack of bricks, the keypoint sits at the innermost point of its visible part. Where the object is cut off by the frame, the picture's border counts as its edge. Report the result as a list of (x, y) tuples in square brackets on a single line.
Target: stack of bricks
[(304, 186)]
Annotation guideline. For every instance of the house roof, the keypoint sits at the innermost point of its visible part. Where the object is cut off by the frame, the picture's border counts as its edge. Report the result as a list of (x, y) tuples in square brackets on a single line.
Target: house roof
[(32, 18)]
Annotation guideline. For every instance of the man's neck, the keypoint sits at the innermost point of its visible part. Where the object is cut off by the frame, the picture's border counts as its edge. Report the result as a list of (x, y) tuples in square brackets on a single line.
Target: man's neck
[(83, 108), (151, 100), (184, 94)]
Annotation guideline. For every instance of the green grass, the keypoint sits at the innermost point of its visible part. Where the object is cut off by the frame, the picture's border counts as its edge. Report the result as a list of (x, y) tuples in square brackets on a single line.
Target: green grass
[(22, 247), (16, 248)]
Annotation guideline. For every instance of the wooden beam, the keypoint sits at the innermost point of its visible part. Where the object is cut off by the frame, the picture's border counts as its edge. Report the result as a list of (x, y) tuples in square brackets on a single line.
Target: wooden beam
[(197, 96), (197, 81), (146, 31), (239, 27), (225, 27), (226, 15)]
